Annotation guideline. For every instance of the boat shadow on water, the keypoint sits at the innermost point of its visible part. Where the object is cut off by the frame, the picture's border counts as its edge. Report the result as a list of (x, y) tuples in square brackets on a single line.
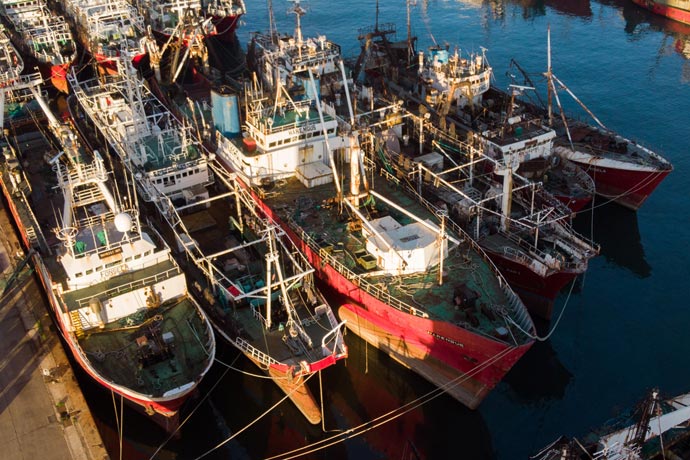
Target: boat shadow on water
[(539, 375), (617, 231)]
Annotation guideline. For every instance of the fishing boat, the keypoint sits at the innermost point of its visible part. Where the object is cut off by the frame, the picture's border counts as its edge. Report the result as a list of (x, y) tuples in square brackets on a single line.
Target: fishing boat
[(11, 62), (623, 170), (524, 229), (218, 18), (455, 89), (39, 33), (509, 133), (191, 36), (258, 290), (119, 299), (652, 430), (455, 116), (282, 60), (108, 29), (678, 10), (412, 285)]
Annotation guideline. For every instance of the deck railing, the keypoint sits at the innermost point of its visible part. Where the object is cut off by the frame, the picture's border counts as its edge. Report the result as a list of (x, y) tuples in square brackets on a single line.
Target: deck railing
[(131, 286)]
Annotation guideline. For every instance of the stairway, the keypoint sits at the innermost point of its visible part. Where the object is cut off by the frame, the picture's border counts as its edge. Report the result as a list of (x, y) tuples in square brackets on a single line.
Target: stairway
[(76, 324)]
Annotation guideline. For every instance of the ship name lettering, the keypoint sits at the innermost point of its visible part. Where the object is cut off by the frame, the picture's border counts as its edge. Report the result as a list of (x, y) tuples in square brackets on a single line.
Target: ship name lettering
[(446, 339)]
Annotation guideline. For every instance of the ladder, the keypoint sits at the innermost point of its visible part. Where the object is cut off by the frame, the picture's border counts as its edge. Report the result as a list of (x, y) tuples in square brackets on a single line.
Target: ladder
[(77, 324)]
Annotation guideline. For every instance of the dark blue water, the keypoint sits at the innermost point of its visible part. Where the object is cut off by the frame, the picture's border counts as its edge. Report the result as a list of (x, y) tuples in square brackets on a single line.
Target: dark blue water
[(625, 326)]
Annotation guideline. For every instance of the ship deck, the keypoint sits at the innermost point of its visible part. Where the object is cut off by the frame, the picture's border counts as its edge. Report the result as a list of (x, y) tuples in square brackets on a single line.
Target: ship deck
[(246, 267), (470, 291), (133, 352)]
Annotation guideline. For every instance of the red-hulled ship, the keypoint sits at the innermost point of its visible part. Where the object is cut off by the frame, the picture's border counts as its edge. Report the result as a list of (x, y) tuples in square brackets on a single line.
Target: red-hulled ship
[(119, 298), (258, 290), (409, 286), (454, 89), (44, 36), (678, 10), (415, 286), (623, 171), (524, 230)]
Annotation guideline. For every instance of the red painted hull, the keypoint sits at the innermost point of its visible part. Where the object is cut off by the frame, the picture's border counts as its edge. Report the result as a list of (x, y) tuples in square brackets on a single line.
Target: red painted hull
[(58, 77), (108, 65), (537, 292), (629, 188), (574, 204), (225, 26), (168, 409), (669, 8), (444, 353)]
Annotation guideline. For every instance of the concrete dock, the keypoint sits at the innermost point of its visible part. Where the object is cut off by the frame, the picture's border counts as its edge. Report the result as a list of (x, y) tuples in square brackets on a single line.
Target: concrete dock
[(43, 414)]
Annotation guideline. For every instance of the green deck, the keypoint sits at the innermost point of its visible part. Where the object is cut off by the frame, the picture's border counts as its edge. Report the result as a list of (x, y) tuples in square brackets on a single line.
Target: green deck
[(127, 353), (465, 272)]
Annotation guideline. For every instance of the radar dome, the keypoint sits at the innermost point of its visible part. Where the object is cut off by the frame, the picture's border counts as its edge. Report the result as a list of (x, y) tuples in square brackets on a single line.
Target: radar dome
[(123, 222)]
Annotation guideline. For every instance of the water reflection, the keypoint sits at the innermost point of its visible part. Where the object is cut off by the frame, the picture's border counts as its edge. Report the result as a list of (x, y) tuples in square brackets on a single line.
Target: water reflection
[(539, 375), (534, 8), (372, 384), (579, 8), (616, 230), (640, 22)]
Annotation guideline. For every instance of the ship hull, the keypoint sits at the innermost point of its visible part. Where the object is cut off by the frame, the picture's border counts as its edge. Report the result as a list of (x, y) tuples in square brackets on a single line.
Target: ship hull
[(58, 77), (537, 292), (290, 380), (575, 204), (467, 365), (225, 26), (296, 389), (224, 30), (164, 411), (418, 354), (678, 10), (627, 187)]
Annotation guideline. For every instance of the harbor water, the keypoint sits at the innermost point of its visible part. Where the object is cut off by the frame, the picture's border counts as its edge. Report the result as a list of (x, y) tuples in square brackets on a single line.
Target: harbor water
[(622, 330)]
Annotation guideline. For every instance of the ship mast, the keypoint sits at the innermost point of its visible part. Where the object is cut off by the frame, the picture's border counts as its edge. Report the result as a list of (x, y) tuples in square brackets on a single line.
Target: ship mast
[(272, 23), (549, 77), (299, 12), (410, 50)]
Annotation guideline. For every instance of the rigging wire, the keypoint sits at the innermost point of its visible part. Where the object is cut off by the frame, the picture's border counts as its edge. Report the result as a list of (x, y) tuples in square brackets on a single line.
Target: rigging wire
[(258, 376), (391, 415), (117, 421), (555, 325), (208, 393), (262, 415)]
